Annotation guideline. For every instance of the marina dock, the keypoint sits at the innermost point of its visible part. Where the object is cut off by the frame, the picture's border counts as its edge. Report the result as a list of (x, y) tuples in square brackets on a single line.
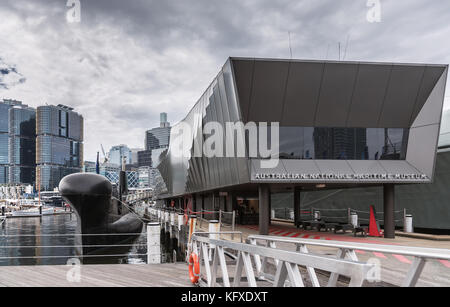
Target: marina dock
[(142, 275)]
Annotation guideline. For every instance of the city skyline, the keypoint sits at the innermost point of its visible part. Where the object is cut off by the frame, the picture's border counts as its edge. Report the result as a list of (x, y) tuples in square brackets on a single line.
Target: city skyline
[(172, 50)]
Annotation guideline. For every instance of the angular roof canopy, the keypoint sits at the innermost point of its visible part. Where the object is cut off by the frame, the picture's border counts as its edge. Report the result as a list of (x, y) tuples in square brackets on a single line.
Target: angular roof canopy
[(333, 94)]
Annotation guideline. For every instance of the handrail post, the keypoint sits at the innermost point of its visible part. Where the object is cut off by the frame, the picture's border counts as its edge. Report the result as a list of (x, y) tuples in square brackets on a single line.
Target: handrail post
[(192, 224), (153, 243), (214, 229), (233, 222)]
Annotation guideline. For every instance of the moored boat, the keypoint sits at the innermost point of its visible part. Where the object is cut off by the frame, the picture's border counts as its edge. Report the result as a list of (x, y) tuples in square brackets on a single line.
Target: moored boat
[(34, 212)]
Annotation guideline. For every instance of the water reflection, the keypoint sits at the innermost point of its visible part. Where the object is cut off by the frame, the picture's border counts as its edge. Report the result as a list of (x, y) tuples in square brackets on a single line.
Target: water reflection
[(20, 243), (24, 247)]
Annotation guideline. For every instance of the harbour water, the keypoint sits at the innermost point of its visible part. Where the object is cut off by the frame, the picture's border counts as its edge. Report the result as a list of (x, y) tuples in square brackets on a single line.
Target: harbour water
[(51, 240)]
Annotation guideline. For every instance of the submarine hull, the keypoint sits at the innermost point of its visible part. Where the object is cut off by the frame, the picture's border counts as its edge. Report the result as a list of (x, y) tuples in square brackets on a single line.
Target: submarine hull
[(102, 221)]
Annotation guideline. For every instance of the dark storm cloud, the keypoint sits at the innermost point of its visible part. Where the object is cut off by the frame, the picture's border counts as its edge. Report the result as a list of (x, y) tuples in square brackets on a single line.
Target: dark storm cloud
[(9, 76), (129, 60)]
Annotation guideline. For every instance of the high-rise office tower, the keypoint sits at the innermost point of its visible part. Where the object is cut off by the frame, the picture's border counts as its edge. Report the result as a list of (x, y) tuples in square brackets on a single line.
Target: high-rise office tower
[(135, 156), (156, 142), (22, 145), (59, 144), (158, 137), (5, 106), (118, 153), (145, 158)]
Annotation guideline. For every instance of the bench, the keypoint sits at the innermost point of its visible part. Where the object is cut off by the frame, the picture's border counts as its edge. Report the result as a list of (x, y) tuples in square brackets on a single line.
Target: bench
[(361, 230), (343, 227)]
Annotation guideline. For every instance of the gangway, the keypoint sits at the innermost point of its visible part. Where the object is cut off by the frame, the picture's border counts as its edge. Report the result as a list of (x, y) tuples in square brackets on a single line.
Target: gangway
[(348, 250), (211, 254)]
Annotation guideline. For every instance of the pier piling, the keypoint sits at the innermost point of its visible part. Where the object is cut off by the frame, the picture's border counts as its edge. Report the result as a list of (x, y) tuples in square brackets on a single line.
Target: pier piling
[(153, 243)]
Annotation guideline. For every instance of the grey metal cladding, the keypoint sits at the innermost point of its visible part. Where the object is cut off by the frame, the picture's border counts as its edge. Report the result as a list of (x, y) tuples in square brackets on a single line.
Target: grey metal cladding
[(256, 168), (336, 94), (431, 110), (424, 134), (404, 85), (430, 79), (367, 167), (243, 73), (334, 167), (301, 166), (399, 167), (316, 94), (422, 148), (302, 93), (269, 86), (370, 91)]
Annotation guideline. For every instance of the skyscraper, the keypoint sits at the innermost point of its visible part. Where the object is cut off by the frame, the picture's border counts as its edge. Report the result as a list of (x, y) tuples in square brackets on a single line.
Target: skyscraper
[(22, 145), (118, 153), (59, 144), (135, 156), (5, 106), (158, 137), (156, 142), (145, 158)]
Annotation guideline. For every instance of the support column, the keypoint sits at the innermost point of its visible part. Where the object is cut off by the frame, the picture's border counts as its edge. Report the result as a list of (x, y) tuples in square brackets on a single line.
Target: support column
[(194, 202), (203, 206), (264, 211), (270, 209), (297, 216), (389, 211), (229, 202)]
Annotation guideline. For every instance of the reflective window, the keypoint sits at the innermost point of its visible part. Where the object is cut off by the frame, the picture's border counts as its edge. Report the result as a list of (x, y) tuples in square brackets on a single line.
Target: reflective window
[(4, 140), (343, 143), (4, 117)]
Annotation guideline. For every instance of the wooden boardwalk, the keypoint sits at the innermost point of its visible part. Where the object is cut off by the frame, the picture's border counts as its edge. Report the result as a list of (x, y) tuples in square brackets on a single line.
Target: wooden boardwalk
[(121, 275)]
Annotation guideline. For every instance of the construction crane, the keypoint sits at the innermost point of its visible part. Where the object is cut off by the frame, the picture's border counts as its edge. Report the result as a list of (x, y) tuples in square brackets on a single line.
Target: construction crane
[(104, 155)]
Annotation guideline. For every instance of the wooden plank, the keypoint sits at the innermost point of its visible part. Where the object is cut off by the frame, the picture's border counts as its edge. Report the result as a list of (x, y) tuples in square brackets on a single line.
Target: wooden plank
[(129, 275)]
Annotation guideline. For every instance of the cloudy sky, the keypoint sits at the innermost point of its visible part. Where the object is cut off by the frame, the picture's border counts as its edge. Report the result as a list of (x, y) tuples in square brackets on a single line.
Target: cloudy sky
[(127, 61)]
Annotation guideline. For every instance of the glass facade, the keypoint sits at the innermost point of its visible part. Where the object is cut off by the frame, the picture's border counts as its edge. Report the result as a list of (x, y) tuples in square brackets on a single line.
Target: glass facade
[(157, 138), (117, 153), (343, 143), (4, 141), (59, 144), (145, 158), (22, 145)]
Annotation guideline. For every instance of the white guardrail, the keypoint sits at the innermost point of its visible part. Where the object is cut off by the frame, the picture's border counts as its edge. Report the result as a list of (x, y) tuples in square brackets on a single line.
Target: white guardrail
[(347, 250), (11, 249), (212, 252)]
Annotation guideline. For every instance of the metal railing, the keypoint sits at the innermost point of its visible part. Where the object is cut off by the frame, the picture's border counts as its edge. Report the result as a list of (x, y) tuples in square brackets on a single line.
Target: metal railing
[(335, 215), (73, 246), (212, 254), (220, 233), (347, 249), (226, 219)]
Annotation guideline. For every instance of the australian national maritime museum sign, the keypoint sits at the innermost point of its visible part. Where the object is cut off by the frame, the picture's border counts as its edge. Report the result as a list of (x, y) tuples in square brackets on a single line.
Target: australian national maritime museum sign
[(342, 177)]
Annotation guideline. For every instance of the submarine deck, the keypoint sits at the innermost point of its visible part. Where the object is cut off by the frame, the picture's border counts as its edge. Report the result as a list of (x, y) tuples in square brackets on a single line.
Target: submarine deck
[(121, 275)]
